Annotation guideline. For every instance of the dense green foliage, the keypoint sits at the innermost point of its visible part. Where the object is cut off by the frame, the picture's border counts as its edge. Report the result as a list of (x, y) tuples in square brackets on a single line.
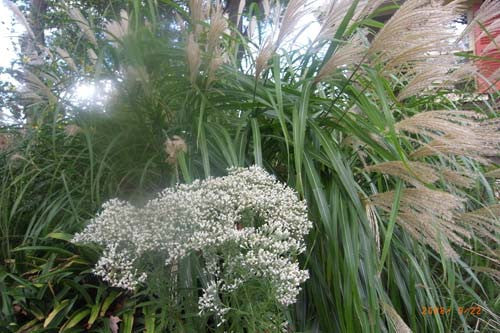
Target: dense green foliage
[(316, 137)]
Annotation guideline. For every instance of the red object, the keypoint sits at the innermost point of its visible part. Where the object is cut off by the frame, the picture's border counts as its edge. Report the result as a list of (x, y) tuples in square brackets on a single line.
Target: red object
[(482, 47)]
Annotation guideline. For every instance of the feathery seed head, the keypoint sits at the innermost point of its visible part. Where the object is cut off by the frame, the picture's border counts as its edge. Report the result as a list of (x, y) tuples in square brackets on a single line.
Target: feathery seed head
[(83, 24), (193, 54), (428, 215), (173, 147), (117, 30)]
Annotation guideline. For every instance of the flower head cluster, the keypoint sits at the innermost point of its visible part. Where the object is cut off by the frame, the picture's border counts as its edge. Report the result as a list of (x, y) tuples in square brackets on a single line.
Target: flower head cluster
[(245, 226)]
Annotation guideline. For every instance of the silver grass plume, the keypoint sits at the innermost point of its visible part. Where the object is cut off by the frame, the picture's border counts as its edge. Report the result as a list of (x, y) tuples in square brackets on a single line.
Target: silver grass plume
[(6, 140), (34, 85), (436, 73), (241, 7), (418, 173), (454, 133), (415, 173), (83, 24), (252, 26), (441, 122), (488, 11), (396, 320), (266, 7), (335, 12), (417, 28), (371, 214), (92, 56), (67, 58), (266, 52), (293, 12), (218, 25), (197, 15), (173, 147), (193, 57), (117, 29), (415, 40), (20, 17), (485, 222), (495, 275), (216, 61), (482, 144), (351, 53), (460, 178), (428, 216)]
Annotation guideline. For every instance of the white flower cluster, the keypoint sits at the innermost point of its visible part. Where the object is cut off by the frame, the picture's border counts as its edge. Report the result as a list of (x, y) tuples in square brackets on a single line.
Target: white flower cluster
[(245, 226)]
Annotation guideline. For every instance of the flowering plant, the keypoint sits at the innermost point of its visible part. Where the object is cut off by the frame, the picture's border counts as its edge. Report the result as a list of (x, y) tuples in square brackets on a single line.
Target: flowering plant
[(245, 227)]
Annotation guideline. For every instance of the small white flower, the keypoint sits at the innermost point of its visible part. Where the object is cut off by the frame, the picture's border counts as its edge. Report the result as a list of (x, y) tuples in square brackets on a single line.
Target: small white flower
[(245, 226)]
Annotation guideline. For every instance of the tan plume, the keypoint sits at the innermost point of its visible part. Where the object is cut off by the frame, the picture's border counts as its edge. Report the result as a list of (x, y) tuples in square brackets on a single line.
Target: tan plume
[(335, 11), (396, 320), (83, 24), (485, 222), (72, 130), (216, 61), (265, 53), (34, 84), (218, 24), (193, 57), (414, 173), (197, 13), (252, 26), (241, 7), (19, 17), (417, 42), (371, 214), (173, 147), (416, 29), (455, 132), (293, 12), (351, 53), (440, 122), (428, 215), (67, 58), (461, 178), (487, 12), (92, 56), (436, 73), (117, 29)]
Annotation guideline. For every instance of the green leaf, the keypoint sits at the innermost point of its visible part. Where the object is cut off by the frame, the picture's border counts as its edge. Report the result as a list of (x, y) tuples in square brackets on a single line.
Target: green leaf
[(149, 318), (392, 223), (60, 235), (44, 248), (257, 145), (108, 301), (75, 319), (94, 312), (128, 322), (54, 312)]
